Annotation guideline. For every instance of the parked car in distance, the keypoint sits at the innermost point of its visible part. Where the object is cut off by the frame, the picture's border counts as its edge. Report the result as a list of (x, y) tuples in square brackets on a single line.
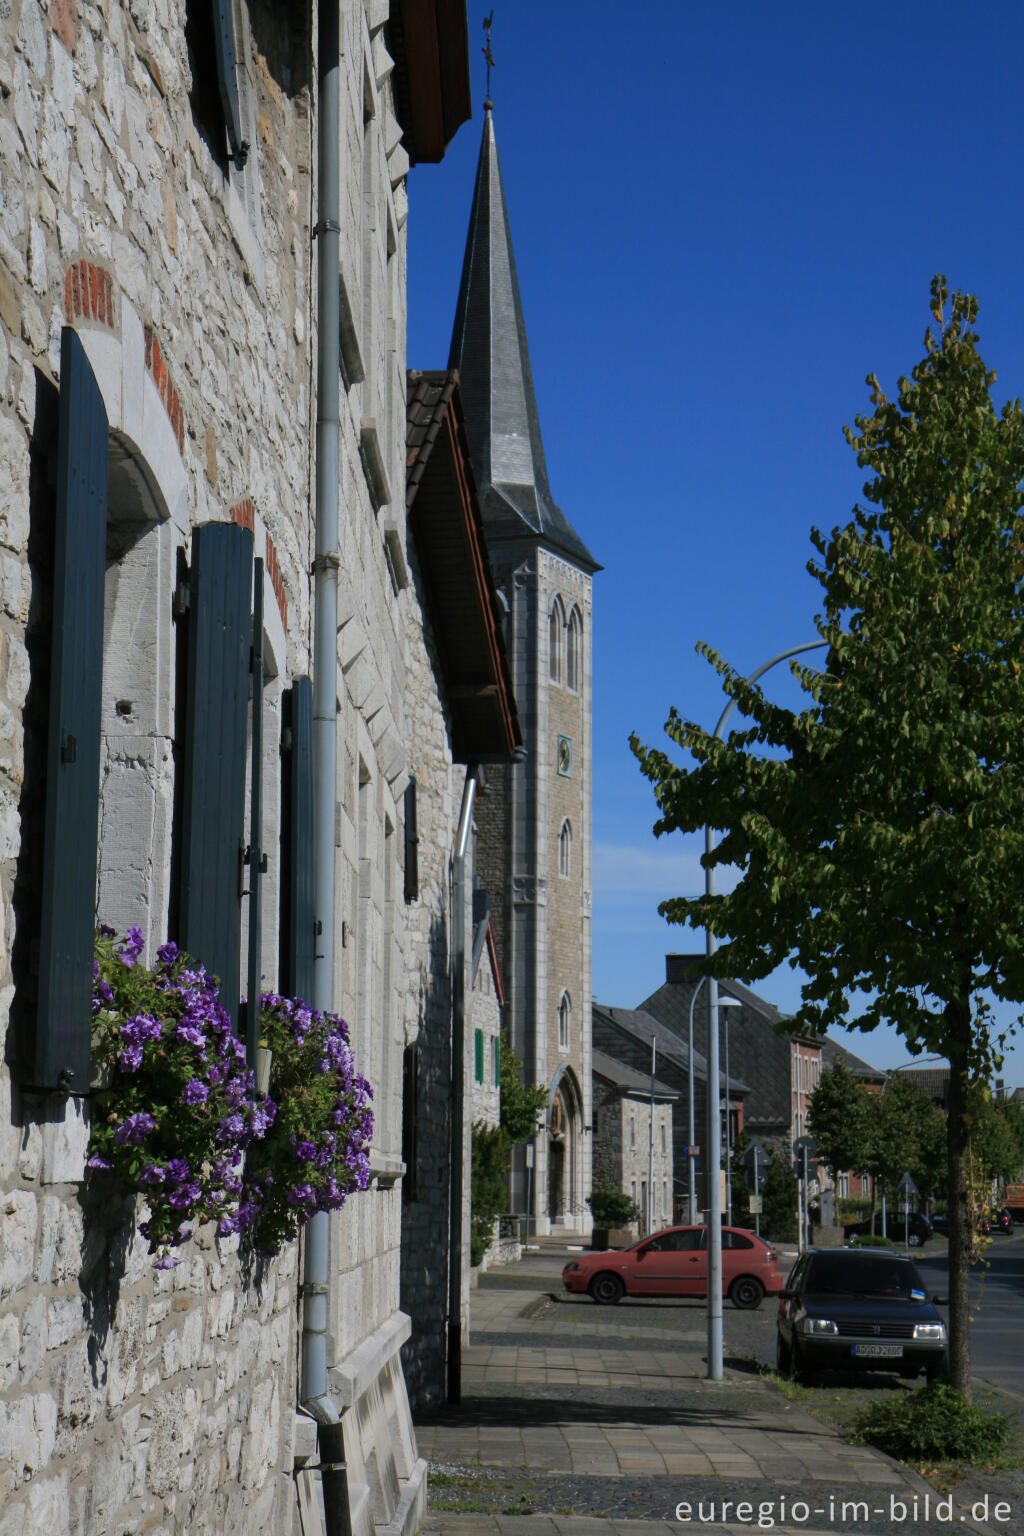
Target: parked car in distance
[(858, 1309), (1001, 1219), (896, 1228), (983, 1223), (674, 1262)]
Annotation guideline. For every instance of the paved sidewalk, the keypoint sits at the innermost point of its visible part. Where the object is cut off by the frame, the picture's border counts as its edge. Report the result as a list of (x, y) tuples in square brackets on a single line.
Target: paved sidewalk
[(579, 1421)]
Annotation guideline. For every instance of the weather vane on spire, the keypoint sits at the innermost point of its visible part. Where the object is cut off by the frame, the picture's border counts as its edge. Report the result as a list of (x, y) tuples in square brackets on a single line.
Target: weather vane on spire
[(488, 55)]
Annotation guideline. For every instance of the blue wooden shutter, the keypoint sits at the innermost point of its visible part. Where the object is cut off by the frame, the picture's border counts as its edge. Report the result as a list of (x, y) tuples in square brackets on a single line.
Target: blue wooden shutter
[(297, 904), (213, 794), (68, 915), (227, 76)]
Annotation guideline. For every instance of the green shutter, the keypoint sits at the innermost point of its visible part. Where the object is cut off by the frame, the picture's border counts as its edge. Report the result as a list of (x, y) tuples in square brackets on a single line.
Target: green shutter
[(497, 1062), (227, 77), (297, 904), (213, 796), (478, 1041), (68, 912)]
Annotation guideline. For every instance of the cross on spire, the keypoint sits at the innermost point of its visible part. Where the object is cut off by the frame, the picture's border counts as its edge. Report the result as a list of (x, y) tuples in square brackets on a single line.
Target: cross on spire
[(486, 51)]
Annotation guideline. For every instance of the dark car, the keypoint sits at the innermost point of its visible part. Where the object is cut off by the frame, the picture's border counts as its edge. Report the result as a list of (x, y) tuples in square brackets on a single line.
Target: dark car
[(859, 1309), (896, 1228)]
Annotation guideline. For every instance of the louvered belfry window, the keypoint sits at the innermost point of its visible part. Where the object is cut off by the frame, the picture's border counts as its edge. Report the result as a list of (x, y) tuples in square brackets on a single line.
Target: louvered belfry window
[(213, 753), (68, 907)]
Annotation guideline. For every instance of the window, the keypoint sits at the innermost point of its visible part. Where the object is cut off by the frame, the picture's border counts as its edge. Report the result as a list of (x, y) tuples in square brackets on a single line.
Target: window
[(684, 1241), (574, 651), (217, 110), (556, 624), (411, 874), (565, 849), (564, 1020), (735, 1240), (663, 1138), (478, 1054), (664, 1199), (844, 1186), (632, 1138)]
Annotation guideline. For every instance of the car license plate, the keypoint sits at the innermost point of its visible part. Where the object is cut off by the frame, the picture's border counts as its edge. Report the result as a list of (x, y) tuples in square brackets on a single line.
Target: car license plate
[(879, 1351)]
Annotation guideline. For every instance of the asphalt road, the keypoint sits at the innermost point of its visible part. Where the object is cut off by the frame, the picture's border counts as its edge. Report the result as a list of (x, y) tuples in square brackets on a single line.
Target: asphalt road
[(997, 1298)]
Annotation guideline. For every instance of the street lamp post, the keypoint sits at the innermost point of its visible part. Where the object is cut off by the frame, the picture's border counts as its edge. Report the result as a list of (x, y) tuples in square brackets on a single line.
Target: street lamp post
[(714, 1157), (691, 1128)]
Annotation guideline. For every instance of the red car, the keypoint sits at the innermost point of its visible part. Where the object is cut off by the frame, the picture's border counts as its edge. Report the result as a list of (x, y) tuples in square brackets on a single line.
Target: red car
[(675, 1263)]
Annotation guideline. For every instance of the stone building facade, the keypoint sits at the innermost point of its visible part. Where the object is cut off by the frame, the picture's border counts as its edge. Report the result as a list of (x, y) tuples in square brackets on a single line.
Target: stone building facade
[(628, 1154), (534, 852), (159, 309)]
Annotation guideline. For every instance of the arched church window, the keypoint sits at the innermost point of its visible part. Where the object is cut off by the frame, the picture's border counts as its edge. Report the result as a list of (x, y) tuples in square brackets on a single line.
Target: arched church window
[(556, 626), (564, 1021), (565, 849), (574, 651)]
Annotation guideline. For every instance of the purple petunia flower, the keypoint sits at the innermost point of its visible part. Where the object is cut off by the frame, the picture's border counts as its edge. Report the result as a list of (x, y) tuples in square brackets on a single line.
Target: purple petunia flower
[(130, 1059), (131, 1131), (106, 931), (190, 1035), (134, 944), (178, 1169), (305, 1152), (166, 1262), (195, 1092), (167, 953), (152, 1174), (300, 1194), (96, 1161)]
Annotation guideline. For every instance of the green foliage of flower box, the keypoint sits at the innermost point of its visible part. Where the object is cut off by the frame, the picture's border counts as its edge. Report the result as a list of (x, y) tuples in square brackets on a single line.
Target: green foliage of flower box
[(177, 1116), (611, 1208)]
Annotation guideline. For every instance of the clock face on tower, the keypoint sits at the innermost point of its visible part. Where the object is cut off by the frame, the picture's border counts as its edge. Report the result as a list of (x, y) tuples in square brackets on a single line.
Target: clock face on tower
[(564, 756)]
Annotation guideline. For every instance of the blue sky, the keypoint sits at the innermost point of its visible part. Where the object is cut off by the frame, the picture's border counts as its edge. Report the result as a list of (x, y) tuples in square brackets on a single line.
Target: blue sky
[(723, 219)]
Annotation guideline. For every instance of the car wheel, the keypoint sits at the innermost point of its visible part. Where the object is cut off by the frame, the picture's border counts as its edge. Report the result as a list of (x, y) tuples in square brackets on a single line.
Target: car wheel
[(607, 1289), (915, 1239), (746, 1293), (783, 1357)]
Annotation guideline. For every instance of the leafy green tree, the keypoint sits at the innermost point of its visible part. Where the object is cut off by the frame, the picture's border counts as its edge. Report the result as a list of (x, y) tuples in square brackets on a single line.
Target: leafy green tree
[(880, 841), (994, 1137), (521, 1107), (778, 1216), (905, 1134), (837, 1118)]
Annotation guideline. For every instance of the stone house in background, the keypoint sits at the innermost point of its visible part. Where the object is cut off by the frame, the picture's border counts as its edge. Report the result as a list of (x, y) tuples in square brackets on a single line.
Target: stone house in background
[(455, 655), (161, 527), (627, 1154), (624, 1035)]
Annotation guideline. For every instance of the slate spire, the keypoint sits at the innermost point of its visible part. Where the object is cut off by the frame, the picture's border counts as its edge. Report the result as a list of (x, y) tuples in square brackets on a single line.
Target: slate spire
[(490, 351)]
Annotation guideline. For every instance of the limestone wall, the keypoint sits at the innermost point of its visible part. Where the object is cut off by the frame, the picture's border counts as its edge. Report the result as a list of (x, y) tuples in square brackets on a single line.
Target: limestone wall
[(132, 1399)]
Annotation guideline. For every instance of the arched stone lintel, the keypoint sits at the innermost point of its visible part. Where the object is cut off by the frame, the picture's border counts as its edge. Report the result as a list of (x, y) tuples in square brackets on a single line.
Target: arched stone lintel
[(136, 411)]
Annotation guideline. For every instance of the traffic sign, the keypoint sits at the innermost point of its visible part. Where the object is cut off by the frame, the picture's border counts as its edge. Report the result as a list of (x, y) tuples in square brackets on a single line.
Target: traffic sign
[(906, 1186), (691, 1151)]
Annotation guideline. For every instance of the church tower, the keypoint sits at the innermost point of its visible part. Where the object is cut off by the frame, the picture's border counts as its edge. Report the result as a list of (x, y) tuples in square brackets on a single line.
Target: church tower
[(533, 851)]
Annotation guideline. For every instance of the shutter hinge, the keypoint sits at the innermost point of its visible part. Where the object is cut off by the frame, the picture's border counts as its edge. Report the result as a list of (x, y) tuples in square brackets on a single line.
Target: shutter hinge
[(65, 1079), (181, 601), (244, 858), (241, 155), (68, 748), (286, 739)]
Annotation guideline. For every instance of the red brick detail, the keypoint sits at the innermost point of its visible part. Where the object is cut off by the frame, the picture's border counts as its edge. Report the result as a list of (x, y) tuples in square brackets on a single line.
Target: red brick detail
[(64, 21), (244, 514), (88, 293), (161, 377), (274, 572)]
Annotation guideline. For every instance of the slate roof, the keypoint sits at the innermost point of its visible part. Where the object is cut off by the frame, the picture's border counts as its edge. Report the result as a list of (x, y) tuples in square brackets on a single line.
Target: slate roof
[(621, 1076), (490, 351), (640, 1026), (832, 1051)]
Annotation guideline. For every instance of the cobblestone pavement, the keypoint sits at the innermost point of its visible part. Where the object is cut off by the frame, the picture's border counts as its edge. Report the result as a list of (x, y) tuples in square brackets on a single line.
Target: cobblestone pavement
[(580, 1421)]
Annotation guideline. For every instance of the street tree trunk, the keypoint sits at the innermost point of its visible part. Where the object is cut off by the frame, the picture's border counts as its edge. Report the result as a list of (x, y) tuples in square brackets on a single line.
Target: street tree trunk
[(958, 1020)]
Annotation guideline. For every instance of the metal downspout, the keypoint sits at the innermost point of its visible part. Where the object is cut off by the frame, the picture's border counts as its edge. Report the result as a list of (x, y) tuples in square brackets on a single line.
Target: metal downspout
[(313, 1394), (458, 1095)]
